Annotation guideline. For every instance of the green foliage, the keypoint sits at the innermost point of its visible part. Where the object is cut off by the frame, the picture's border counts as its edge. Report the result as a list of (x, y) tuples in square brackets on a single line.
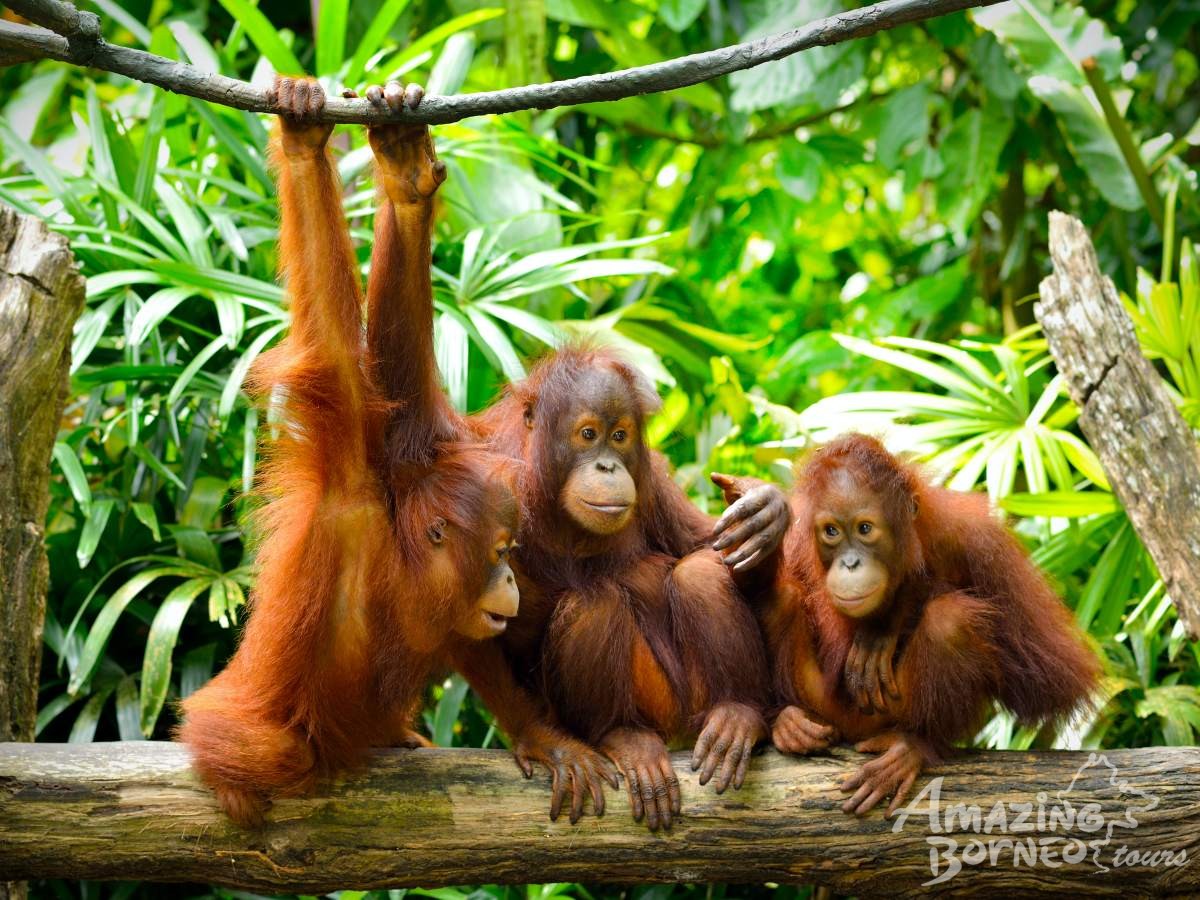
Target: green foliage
[(847, 238)]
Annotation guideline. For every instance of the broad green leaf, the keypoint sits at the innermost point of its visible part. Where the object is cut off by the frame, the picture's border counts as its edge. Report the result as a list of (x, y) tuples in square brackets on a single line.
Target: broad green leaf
[(394, 64), (799, 170), (679, 14), (127, 709), (1064, 504), (265, 37), (234, 144), (68, 462), (93, 528), (51, 711), (448, 708), (452, 349), (146, 515), (1091, 142), (157, 307), (331, 36), (84, 729), (156, 465), (905, 120), (160, 645), (816, 77), (496, 345), (195, 669), (970, 150), (1052, 38), (102, 628), (241, 368), (372, 40), (453, 63), (932, 372)]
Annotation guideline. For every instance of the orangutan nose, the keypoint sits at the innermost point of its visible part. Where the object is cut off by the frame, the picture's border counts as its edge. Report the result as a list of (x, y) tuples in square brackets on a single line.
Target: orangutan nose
[(851, 561), (607, 466)]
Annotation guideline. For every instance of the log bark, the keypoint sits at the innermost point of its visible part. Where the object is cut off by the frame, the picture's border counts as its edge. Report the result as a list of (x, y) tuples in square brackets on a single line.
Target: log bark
[(445, 817), (1150, 455), (78, 41), (41, 294)]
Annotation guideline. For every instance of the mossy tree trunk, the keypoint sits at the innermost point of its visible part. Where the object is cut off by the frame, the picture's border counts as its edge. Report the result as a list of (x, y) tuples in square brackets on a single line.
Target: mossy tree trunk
[(41, 294)]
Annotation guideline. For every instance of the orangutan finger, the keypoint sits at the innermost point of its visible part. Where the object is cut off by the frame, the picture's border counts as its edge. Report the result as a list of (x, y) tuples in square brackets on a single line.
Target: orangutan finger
[(413, 94), (672, 780), (635, 793), (558, 793), (739, 777), (746, 527), (707, 736), (523, 763), (578, 792), (597, 792), (393, 93), (729, 766), (743, 508), (902, 792)]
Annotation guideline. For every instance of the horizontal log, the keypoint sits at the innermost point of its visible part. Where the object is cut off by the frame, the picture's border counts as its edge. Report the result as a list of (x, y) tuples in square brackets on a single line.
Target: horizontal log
[(1122, 823)]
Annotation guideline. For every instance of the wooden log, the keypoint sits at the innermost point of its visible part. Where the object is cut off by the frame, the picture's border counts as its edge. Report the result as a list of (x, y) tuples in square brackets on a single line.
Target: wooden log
[(1147, 449), (41, 294), (445, 817)]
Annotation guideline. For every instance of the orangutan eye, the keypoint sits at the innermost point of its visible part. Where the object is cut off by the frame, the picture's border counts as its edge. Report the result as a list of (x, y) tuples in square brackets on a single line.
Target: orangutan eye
[(618, 435), (831, 531), (589, 434), (864, 527)]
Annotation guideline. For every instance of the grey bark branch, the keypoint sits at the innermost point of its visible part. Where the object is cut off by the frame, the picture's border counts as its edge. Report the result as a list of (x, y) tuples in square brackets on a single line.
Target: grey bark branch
[(1150, 455), (446, 817), (41, 294), (73, 44)]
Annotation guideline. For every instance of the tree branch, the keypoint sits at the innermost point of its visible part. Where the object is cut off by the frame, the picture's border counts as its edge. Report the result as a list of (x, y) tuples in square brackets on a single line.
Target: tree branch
[(447, 817), (1148, 451), (72, 39)]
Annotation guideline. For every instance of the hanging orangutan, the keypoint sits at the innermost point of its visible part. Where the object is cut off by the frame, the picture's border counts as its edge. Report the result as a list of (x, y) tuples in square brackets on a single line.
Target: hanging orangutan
[(900, 612)]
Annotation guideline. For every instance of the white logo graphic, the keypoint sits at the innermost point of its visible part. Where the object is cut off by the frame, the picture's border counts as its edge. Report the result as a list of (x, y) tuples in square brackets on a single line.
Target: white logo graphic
[(1049, 831)]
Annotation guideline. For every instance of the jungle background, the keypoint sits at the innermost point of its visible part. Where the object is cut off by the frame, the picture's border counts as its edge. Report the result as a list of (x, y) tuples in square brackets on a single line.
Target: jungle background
[(850, 238)]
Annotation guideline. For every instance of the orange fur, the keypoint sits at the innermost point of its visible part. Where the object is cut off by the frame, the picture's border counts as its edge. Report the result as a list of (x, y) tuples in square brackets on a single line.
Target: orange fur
[(354, 607)]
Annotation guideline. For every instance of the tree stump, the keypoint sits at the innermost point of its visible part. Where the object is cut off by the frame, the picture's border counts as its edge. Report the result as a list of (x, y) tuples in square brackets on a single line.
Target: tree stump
[(41, 294), (1149, 453)]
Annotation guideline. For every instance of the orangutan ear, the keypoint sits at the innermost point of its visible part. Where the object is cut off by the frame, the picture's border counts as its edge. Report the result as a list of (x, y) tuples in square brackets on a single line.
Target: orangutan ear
[(643, 390), (436, 532), (529, 415)]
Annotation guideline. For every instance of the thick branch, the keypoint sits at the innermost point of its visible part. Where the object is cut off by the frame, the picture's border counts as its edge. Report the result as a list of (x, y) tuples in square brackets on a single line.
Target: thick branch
[(444, 817), (1148, 451), (663, 76)]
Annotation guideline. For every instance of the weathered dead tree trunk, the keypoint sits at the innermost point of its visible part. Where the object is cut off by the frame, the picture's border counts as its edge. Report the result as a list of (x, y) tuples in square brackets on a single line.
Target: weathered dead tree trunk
[(41, 294), (445, 817), (1149, 453)]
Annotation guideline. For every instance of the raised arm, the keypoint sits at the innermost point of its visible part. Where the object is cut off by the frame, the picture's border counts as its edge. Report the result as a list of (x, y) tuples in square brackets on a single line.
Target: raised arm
[(317, 365), (400, 287)]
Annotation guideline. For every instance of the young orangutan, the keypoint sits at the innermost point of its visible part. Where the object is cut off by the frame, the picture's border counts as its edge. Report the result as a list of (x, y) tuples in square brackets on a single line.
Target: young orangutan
[(387, 537), (400, 342), (901, 611), (631, 625)]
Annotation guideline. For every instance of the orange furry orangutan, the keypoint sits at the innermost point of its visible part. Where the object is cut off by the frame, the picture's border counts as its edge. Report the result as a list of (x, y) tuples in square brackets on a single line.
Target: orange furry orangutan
[(901, 612), (387, 531)]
